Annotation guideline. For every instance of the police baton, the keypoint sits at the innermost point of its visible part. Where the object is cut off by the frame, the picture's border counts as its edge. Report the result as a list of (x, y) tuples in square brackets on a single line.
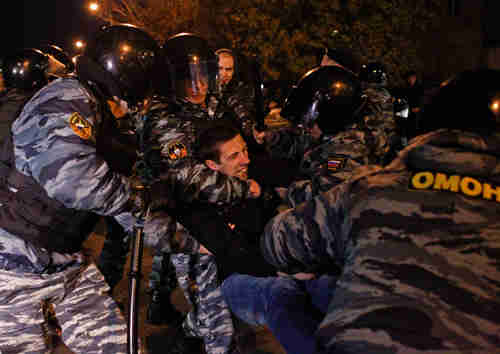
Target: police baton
[(135, 276)]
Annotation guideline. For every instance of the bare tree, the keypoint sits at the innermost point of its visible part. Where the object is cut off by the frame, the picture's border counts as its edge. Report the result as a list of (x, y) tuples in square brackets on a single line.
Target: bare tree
[(161, 18)]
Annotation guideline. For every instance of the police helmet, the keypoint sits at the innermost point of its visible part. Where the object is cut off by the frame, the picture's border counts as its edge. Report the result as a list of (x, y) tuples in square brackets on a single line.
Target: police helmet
[(192, 64), (329, 96), (121, 60), (25, 69), (59, 55), (342, 56), (468, 101), (373, 73)]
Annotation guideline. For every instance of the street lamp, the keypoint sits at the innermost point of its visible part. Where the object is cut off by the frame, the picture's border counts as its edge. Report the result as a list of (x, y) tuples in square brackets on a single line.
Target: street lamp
[(93, 6), (79, 44)]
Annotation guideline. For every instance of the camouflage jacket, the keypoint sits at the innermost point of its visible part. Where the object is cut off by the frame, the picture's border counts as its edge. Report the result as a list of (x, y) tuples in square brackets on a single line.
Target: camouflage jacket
[(10, 104), (169, 138), (326, 163), (379, 119), (239, 98), (418, 245), (55, 141)]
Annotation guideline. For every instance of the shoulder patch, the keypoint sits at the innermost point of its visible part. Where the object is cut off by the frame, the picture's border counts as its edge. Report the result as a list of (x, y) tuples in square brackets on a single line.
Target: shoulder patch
[(81, 126), (176, 150), (335, 164)]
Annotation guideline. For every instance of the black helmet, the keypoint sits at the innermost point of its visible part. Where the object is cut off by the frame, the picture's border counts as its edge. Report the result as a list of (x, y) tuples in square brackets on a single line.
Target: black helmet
[(59, 55), (373, 73), (469, 101), (191, 61), (120, 59), (329, 96), (342, 56), (25, 69)]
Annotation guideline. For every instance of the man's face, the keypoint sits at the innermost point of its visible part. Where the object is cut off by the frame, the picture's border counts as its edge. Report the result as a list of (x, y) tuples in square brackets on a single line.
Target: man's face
[(196, 91), (226, 68), (233, 158), (412, 80)]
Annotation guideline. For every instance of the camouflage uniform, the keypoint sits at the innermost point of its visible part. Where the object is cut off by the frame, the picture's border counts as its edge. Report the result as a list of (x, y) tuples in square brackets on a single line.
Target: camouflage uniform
[(11, 102), (169, 138), (123, 148), (54, 151), (326, 163), (380, 119), (240, 99), (417, 243)]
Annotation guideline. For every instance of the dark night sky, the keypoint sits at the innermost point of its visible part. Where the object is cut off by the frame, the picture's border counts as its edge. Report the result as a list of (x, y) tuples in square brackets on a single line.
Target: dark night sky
[(33, 22)]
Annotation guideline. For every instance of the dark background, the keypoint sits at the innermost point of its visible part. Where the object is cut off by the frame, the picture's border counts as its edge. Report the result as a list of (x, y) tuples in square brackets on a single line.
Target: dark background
[(30, 23)]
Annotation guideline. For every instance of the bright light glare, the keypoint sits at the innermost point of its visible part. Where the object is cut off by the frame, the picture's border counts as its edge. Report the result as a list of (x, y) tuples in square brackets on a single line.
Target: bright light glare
[(495, 106), (93, 6)]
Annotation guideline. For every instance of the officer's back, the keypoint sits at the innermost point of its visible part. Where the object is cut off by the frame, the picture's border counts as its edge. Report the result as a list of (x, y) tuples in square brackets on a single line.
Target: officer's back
[(421, 268)]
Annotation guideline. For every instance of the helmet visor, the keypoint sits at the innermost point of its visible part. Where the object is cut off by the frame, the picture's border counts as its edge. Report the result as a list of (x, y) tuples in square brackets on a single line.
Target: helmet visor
[(195, 79)]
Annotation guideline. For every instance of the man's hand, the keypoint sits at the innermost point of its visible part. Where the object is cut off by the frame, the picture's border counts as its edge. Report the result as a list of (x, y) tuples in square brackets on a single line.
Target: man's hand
[(255, 189)]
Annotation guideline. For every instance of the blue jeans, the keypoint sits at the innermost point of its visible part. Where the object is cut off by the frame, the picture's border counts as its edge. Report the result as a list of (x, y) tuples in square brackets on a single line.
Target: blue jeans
[(292, 309)]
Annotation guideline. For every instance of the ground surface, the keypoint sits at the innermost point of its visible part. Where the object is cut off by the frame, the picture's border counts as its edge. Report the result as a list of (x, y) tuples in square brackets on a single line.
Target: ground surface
[(264, 342)]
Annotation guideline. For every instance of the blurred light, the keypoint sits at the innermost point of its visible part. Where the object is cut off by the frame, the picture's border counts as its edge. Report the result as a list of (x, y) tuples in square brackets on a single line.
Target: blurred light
[(79, 44), (126, 48), (495, 106), (338, 85), (93, 6)]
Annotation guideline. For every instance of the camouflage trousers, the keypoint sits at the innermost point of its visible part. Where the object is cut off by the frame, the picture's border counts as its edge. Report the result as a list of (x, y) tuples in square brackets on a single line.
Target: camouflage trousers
[(89, 318), (210, 317)]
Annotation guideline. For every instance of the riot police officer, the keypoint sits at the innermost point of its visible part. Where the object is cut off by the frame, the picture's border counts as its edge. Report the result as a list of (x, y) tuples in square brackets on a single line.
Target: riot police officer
[(416, 241), (24, 72), (55, 179), (60, 55), (374, 78), (329, 107), (176, 119)]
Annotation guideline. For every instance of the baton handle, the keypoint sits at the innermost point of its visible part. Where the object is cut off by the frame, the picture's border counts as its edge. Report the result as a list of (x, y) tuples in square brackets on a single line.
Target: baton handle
[(134, 283)]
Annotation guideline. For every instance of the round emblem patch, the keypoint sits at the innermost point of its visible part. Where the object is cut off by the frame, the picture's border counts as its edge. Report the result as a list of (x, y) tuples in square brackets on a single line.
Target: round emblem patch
[(176, 150)]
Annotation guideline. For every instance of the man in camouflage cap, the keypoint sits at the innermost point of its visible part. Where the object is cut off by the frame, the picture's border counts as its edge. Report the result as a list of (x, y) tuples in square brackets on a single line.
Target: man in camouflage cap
[(417, 241)]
